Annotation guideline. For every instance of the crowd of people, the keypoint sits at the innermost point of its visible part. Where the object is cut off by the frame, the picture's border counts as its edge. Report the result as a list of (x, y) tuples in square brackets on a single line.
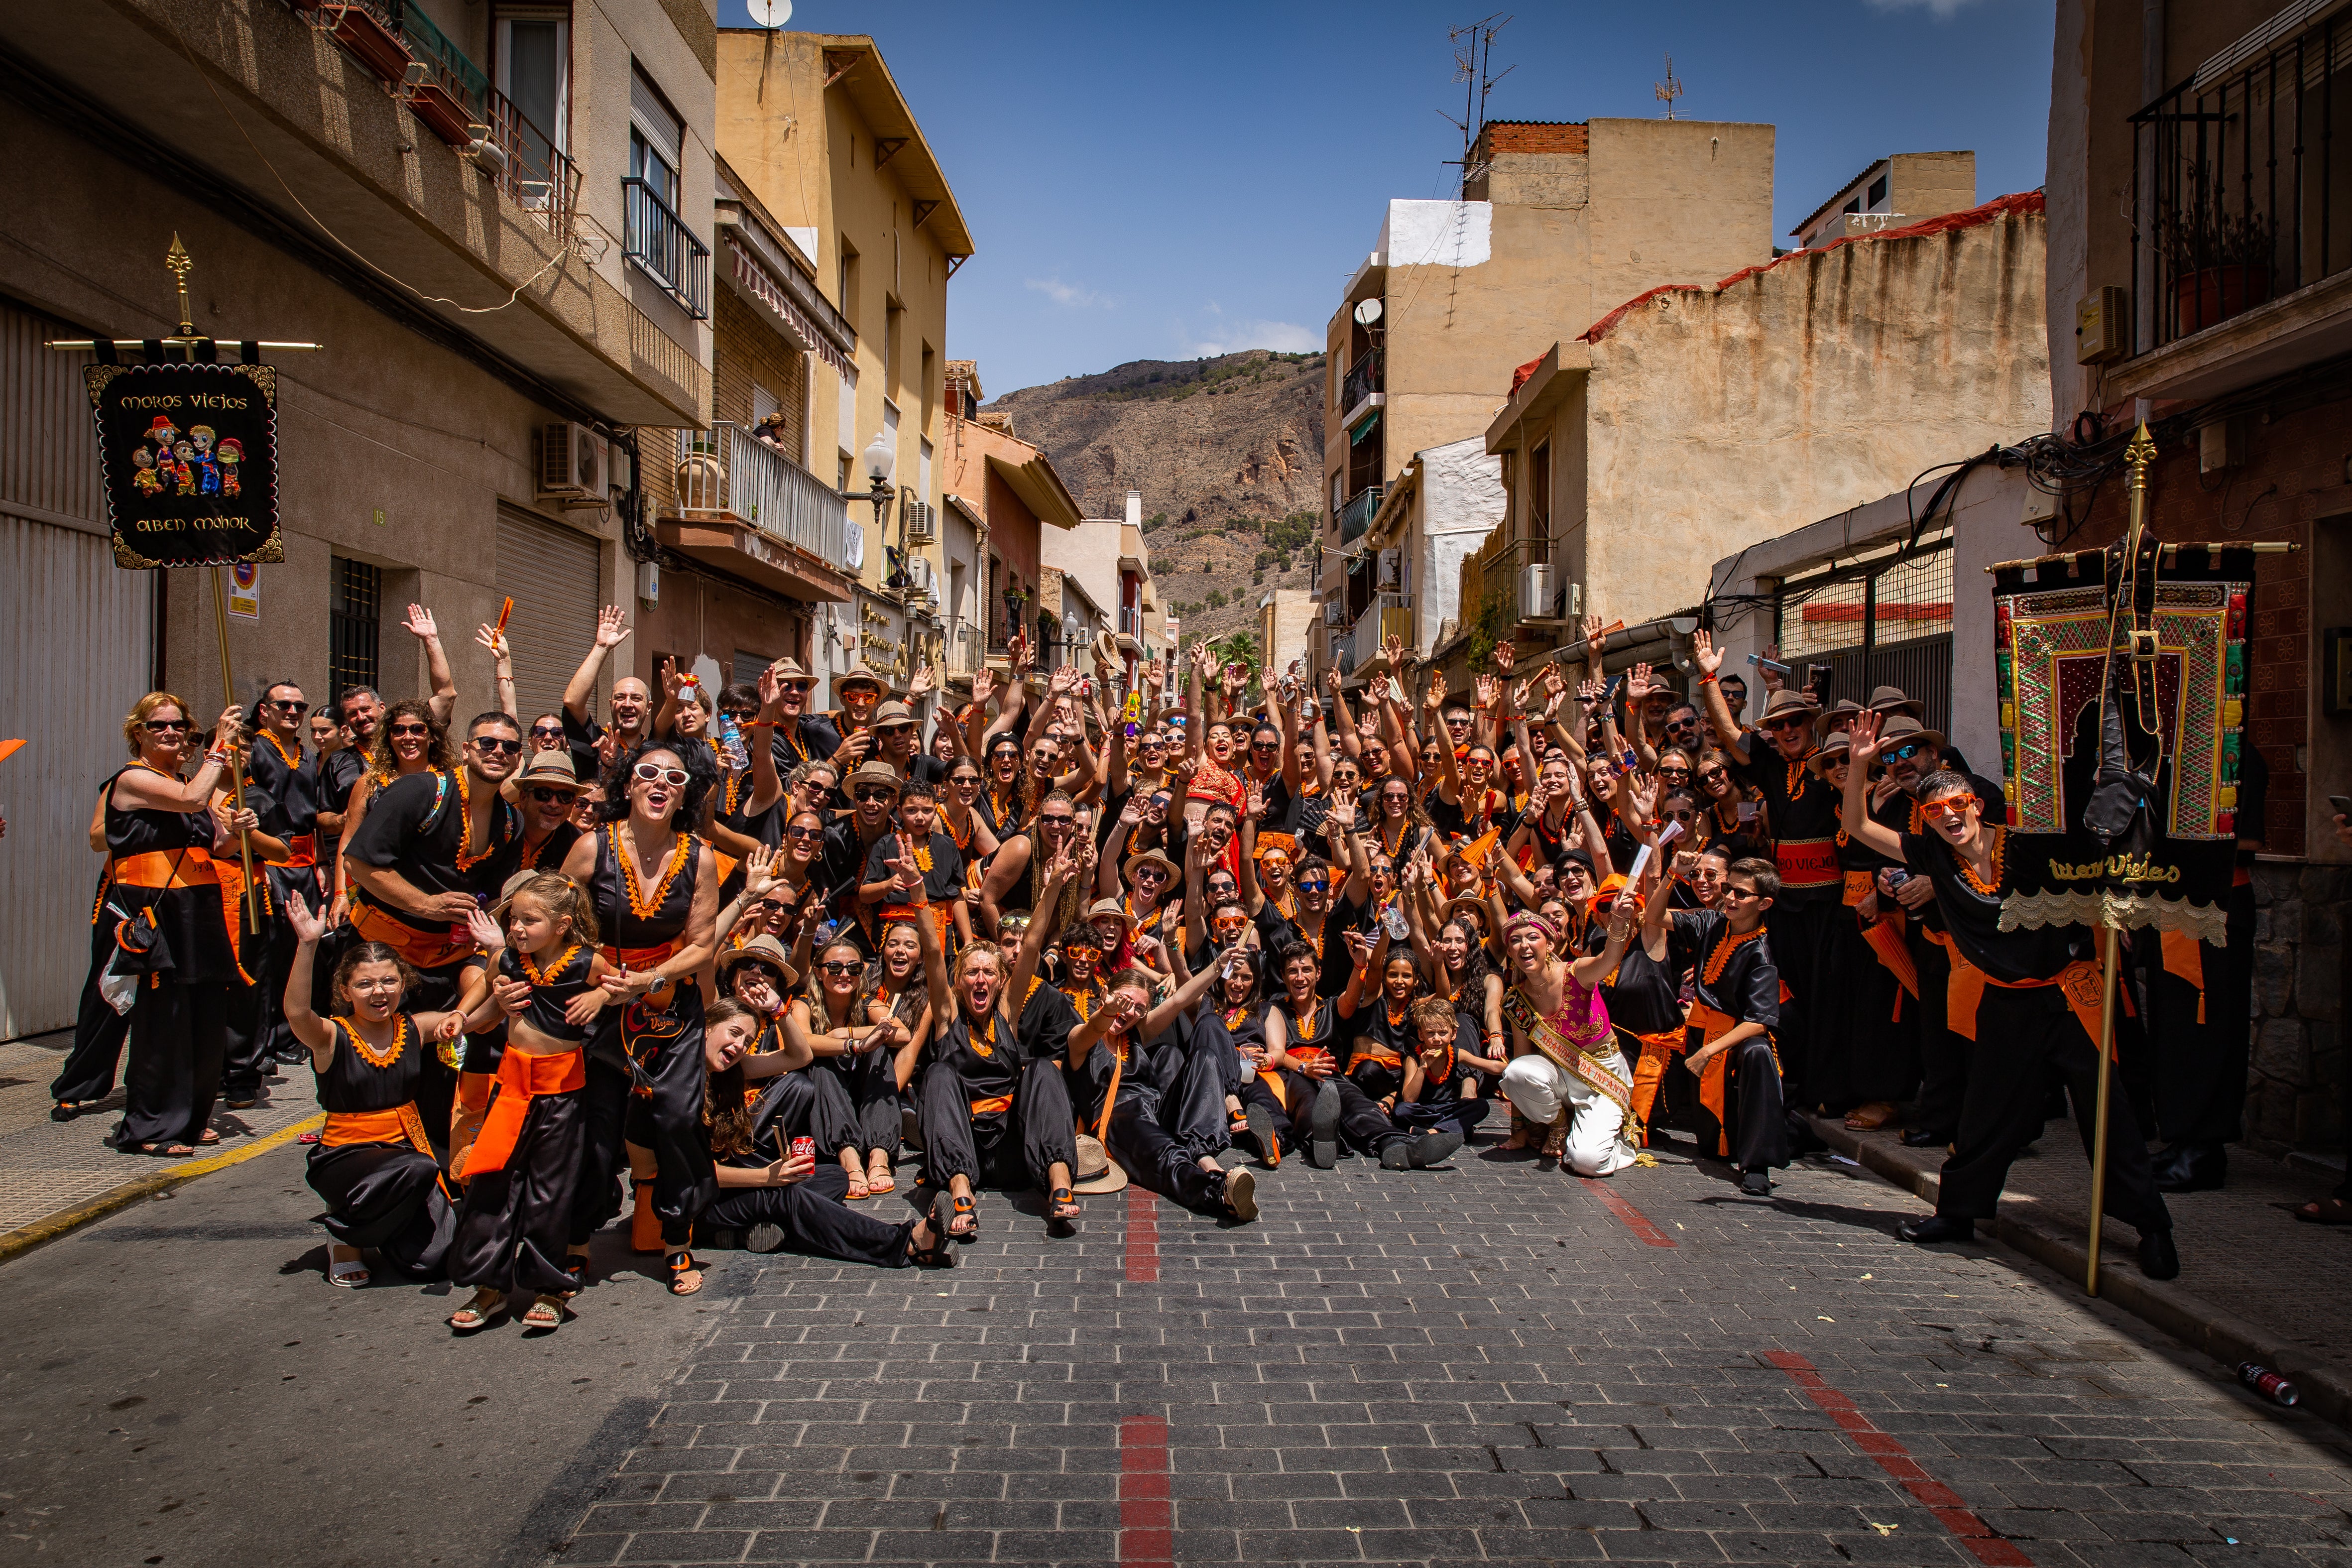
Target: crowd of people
[(739, 969)]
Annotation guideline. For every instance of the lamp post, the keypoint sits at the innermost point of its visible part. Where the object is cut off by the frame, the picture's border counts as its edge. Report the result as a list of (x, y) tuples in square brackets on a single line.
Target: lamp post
[(879, 460)]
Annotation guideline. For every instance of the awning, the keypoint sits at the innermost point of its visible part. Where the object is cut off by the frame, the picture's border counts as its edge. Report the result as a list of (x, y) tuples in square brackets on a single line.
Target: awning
[(1356, 437), (754, 278)]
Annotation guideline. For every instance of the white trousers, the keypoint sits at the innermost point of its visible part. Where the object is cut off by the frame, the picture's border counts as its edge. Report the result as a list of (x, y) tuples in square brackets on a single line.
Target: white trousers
[(1541, 1090)]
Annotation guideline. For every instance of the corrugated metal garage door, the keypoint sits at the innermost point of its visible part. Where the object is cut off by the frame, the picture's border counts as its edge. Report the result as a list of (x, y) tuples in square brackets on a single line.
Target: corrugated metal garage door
[(77, 648), (551, 573)]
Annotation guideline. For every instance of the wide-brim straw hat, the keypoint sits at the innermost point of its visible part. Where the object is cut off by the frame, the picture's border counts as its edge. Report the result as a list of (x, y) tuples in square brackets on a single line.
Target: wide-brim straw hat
[(1094, 1171), (766, 948), (1890, 700), (1903, 728)]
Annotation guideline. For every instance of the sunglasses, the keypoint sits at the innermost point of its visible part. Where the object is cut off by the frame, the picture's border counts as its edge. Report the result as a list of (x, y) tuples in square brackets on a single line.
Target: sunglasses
[(1150, 874), (836, 966), (1685, 817), (296, 708), (497, 744), (412, 728), (653, 773), (1904, 753), (741, 715), (1265, 745), (805, 835), (1457, 723), (1152, 745), (169, 726), (1952, 806), (1316, 887), (1713, 776), (547, 732), (1740, 893), (1674, 772), (1786, 724), (1057, 823), (874, 792), (1682, 724), (553, 796), (796, 688)]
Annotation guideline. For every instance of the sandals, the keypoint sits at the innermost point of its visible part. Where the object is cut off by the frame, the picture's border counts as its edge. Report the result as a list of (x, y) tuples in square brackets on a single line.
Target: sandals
[(476, 1314), (575, 1263), (2325, 1211), (547, 1312), (859, 1189), (1869, 1118), (349, 1273), (939, 1255), (1062, 1206), (67, 1110), (685, 1274), (209, 1135), (878, 1179), (167, 1150), (963, 1219), (1555, 1143)]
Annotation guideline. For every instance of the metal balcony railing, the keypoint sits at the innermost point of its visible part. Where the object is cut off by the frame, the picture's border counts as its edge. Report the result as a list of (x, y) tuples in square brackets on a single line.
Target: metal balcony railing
[(664, 248), (961, 647), (744, 477), (2234, 181), (1131, 622), (1518, 574), (1362, 380), (1358, 514), (1389, 615)]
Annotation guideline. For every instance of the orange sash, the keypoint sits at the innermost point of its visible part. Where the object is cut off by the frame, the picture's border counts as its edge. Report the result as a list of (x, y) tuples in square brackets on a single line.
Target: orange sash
[(399, 1124), (2184, 959), (165, 869), (994, 1105), (302, 849), (1650, 1075), (2080, 981), (523, 1076), (422, 949)]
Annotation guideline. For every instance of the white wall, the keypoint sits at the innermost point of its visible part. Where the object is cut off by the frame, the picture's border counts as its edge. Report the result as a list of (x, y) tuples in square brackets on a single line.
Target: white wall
[(1462, 499), (1088, 552)]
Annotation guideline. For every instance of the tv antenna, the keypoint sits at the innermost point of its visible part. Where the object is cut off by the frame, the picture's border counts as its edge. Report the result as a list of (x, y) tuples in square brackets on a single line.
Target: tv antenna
[(1474, 65), (1669, 89), (770, 14)]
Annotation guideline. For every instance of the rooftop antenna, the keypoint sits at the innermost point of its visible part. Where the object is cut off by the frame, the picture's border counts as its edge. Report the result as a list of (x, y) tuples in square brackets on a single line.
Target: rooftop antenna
[(1669, 89), (770, 14), (1474, 67)]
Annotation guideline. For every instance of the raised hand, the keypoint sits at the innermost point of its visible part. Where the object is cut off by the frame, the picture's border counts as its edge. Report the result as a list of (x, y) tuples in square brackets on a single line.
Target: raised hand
[(760, 872), (1772, 681), (1253, 808), (1506, 655), (1017, 648), (490, 637), (1588, 693), (924, 681), (1367, 728), (483, 930), (1642, 797), (1596, 637), (1063, 681), (1393, 647), (308, 927), (420, 625), (672, 678), (1864, 746), (1435, 698), (1638, 686), (1343, 810), (984, 686), (612, 626), (1485, 688), (1704, 653), (1155, 675)]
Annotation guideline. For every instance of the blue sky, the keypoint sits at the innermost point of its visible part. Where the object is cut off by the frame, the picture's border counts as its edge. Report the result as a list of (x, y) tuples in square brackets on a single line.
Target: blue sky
[(1157, 181)]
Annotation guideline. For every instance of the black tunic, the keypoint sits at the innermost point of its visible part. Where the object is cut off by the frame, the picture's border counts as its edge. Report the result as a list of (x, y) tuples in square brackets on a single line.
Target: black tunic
[(189, 918), (1747, 989), (416, 826), (1802, 813), (1972, 917)]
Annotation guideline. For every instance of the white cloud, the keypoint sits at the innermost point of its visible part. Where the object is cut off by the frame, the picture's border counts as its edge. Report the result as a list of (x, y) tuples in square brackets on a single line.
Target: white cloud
[(1069, 294), (1228, 337), (1942, 10)]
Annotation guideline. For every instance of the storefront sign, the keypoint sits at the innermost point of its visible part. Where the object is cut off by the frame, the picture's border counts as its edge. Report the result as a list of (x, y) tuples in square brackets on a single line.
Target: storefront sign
[(189, 456)]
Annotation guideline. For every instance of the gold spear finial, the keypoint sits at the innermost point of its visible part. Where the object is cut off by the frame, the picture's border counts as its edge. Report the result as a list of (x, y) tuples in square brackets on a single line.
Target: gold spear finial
[(2140, 453), (179, 264)]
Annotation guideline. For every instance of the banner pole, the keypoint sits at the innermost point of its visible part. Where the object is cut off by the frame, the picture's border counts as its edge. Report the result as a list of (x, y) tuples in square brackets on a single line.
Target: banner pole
[(235, 767), (2112, 939)]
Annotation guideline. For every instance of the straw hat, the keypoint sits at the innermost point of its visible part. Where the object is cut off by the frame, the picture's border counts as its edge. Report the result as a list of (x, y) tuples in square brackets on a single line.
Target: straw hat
[(1890, 700), (1094, 1171), (890, 714), (550, 769), (766, 948), (1832, 751), (858, 675), (1902, 729), (1152, 857), (1788, 702)]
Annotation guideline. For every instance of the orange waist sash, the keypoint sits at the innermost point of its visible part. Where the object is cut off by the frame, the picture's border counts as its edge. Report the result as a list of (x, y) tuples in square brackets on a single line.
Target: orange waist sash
[(398, 1125), (165, 869), (641, 957), (994, 1105), (2079, 981), (1807, 863), (425, 950), (523, 1076), (302, 849)]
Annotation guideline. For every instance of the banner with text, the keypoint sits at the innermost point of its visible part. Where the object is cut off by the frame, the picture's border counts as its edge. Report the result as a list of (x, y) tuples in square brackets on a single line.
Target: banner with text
[(189, 453)]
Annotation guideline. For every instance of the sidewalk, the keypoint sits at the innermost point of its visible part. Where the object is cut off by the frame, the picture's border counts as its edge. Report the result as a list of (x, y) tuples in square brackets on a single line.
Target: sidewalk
[(2255, 1283), (54, 1175)]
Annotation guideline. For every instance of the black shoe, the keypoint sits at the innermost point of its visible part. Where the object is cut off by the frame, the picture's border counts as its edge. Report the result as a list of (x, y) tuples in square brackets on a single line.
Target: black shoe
[(1920, 1138), (2192, 1168), (1757, 1183), (292, 1055), (1261, 1129), (1429, 1149), (1394, 1155), (1937, 1228), (2158, 1259), (239, 1104), (1240, 1195), (1323, 1129)]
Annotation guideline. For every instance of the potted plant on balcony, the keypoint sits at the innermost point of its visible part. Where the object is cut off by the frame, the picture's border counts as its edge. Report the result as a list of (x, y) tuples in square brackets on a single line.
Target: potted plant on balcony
[(699, 473), (2221, 261)]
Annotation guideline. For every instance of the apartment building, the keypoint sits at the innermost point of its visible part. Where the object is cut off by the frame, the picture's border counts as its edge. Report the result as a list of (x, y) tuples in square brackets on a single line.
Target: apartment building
[(1012, 499), (1109, 564), (1557, 223), (494, 219)]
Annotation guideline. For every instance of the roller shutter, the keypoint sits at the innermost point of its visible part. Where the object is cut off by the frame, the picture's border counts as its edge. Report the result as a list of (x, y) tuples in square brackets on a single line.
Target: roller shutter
[(551, 573)]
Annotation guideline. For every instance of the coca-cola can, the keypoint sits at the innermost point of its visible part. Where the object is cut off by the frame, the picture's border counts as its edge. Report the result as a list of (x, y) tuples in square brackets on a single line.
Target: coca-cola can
[(2270, 1385)]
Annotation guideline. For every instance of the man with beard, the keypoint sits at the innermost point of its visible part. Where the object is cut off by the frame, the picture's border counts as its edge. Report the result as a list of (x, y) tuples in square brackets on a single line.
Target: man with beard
[(799, 736), (278, 788), (631, 703), (872, 792), (546, 791), (339, 771), (1306, 911)]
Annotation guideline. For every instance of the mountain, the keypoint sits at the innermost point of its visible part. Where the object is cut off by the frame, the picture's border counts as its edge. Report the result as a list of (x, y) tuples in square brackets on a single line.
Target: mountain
[(1228, 453)]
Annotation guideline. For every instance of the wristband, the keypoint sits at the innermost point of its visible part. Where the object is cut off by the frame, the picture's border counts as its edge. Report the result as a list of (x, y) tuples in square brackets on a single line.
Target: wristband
[(1707, 679)]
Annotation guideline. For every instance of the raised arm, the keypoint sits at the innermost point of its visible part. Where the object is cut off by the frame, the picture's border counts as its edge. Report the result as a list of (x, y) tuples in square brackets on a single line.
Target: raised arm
[(1350, 742), (612, 626), (502, 661), (1719, 712), (1591, 972), (1864, 747), (444, 700)]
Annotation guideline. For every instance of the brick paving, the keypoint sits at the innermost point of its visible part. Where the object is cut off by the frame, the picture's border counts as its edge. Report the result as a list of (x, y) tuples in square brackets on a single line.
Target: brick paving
[(1490, 1362), (46, 1167)]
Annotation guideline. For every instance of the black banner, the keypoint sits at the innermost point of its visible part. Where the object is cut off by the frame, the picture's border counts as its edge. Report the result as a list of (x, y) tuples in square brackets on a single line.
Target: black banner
[(189, 453)]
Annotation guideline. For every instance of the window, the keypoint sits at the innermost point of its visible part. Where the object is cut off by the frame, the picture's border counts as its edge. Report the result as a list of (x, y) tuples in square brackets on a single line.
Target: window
[(893, 319), (354, 599), (533, 59), (763, 402), (653, 236), (846, 291), (657, 141), (930, 368), (1539, 492), (847, 438), (923, 471), (1879, 193)]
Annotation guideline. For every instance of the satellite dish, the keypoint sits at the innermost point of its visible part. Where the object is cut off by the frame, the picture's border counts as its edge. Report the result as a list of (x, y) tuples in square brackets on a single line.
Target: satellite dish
[(770, 14), (1366, 313)]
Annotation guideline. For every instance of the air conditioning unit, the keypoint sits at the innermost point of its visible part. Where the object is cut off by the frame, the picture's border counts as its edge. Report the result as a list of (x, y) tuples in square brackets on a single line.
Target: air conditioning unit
[(922, 522), (1535, 591), (1392, 561), (574, 464), (918, 571), (1335, 612)]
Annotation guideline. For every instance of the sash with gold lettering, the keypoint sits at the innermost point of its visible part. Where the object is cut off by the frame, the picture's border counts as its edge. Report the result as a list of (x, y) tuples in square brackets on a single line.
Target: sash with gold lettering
[(1579, 1055)]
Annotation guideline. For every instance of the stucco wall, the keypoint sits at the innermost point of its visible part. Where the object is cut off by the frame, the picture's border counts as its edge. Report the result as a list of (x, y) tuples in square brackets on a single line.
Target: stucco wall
[(1722, 416), (1461, 501)]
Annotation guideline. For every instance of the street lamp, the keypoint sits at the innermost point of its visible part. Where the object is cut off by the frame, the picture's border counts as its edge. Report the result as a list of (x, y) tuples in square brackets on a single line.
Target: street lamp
[(880, 459)]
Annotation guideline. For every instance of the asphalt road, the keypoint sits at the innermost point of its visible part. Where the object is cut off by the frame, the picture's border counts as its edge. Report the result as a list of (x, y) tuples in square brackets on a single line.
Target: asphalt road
[(1485, 1364)]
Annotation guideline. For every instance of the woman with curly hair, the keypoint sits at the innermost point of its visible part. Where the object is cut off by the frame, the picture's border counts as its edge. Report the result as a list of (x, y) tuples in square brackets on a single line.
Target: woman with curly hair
[(654, 889), (408, 740), (855, 1072)]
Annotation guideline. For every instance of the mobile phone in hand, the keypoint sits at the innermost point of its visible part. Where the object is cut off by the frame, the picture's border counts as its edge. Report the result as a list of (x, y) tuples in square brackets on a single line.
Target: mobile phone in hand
[(2342, 804)]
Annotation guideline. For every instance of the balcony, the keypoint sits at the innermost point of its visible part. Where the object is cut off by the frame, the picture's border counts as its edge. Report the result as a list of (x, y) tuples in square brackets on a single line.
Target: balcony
[(1358, 514), (1363, 378), (746, 508), (1389, 615), (664, 248), (1518, 575), (2235, 208)]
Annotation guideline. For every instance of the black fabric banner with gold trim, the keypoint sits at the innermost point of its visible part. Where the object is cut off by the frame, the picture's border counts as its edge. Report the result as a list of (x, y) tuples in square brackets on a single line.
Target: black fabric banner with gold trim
[(189, 455)]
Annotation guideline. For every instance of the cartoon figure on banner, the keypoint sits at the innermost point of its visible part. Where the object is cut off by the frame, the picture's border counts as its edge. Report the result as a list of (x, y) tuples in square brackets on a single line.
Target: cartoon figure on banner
[(164, 433), (148, 481), (232, 453), (207, 472), (184, 465)]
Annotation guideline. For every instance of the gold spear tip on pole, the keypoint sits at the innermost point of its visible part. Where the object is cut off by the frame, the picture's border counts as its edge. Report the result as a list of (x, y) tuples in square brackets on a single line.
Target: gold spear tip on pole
[(2141, 452), (180, 263)]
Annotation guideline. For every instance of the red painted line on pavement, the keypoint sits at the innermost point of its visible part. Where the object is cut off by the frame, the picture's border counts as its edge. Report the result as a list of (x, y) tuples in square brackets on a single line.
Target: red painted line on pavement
[(1640, 1224), (1142, 1236), (1144, 1533), (1939, 1499)]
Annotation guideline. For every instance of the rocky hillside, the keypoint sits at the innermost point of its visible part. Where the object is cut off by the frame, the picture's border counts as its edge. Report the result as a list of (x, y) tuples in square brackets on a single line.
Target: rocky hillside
[(1228, 453)]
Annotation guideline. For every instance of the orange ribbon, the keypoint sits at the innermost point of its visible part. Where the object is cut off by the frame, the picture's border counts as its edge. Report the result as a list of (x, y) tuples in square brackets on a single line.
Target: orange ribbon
[(421, 949), (523, 1076), (994, 1105), (400, 1125), (2184, 959)]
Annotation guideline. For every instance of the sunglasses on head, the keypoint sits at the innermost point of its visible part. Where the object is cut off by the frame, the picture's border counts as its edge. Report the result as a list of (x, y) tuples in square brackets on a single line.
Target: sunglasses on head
[(839, 966), (872, 792), (553, 796), (498, 744), (653, 772), (1952, 806), (169, 726), (412, 728)]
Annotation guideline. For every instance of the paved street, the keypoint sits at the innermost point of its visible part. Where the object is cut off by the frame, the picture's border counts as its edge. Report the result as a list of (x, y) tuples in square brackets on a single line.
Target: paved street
[(1484, 1363)]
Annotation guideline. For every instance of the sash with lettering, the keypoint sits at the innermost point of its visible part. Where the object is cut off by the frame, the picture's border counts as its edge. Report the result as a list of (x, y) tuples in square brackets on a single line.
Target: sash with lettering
[(1571, 1056), (189, 456)]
